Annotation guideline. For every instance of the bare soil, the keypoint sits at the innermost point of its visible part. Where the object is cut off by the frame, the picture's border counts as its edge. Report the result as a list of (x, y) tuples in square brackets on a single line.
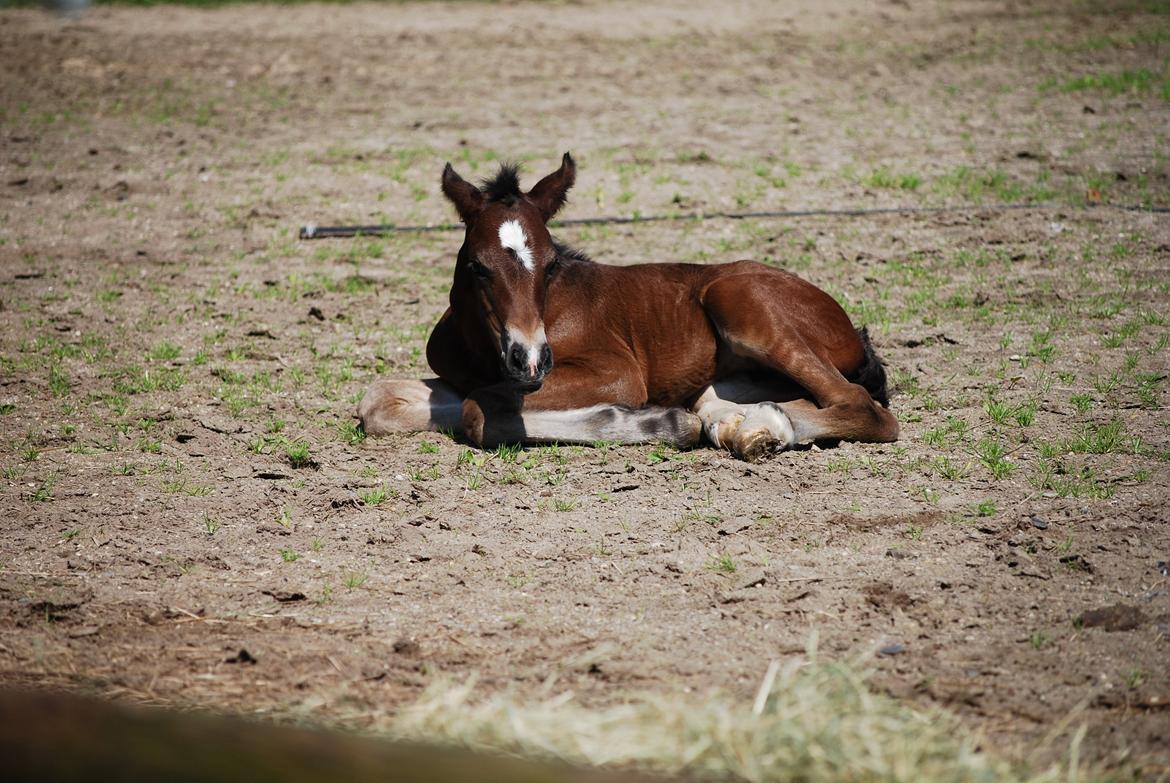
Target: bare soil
[(190, 519)]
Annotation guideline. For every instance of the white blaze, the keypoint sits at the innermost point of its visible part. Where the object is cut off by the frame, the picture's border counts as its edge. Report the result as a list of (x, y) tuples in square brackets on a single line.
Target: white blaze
[(512, 236)]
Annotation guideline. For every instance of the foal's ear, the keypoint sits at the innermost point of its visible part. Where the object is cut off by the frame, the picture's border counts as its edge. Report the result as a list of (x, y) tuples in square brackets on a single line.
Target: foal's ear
[(466, 197), (550, 193)]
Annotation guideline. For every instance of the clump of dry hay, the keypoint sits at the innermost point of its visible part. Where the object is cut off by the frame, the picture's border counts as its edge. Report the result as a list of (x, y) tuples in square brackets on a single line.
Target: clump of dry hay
[(810, 721)]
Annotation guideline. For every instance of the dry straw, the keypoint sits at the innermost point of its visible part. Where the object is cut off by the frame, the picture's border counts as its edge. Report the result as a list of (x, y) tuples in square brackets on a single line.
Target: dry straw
[(811, 721)]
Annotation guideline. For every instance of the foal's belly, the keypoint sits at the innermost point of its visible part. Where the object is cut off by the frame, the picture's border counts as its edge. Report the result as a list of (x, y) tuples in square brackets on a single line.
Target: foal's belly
[(676, 347), (678, 366), (648, 321)]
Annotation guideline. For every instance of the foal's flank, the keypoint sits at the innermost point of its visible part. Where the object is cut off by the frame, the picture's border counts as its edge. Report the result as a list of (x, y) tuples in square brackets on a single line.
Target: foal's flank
[(542, 344)]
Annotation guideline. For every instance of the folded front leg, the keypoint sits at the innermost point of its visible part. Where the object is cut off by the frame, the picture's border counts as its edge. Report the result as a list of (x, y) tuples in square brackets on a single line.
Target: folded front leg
[(574, 405)]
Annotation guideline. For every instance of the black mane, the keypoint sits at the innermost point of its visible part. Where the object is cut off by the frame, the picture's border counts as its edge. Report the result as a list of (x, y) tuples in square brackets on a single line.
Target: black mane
[(566, 253), (504, 188)]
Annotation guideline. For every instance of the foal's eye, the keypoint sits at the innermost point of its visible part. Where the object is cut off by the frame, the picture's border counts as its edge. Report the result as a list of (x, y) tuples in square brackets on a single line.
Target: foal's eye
[(481, 271)]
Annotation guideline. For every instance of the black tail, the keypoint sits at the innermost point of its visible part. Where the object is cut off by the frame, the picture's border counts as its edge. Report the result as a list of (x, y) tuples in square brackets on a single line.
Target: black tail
[(871, 375)]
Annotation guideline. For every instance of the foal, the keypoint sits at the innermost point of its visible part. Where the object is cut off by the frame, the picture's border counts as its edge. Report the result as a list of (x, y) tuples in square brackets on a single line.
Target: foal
[(541, 344)]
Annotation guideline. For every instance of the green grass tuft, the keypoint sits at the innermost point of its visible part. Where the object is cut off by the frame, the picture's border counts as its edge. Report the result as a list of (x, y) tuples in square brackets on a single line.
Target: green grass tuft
[(1134, 82)]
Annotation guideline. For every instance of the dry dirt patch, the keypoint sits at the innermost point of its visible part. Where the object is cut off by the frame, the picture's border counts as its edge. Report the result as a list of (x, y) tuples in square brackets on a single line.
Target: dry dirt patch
[(191, 517)]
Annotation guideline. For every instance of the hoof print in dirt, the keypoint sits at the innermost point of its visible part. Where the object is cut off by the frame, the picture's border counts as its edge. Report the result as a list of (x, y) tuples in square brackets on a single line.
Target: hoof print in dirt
[(284, 596), (243, 656), (1076, 563), (407, 647), (1118, 617)]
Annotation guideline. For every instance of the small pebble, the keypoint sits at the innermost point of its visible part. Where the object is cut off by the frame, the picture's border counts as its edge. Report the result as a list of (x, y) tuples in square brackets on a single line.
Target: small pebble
[(1038, 523), (892, 649)]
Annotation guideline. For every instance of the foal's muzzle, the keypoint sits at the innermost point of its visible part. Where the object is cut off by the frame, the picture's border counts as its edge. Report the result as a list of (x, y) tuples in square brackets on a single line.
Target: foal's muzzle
[(526, 363)]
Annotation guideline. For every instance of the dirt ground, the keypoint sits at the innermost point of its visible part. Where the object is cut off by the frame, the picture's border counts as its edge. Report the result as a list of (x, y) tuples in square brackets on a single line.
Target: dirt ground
[(190, 517)]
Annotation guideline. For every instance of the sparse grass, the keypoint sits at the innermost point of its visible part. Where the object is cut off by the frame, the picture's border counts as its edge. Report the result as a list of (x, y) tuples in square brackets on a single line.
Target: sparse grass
[(298, 454), (350, 432), (1025, 414), (518, 581), (1067, 479), (952, 432), (997, 411), (980, 185), (985, 508), (376, 496), (43, 493), (164, 352), (1124, 82), (289, 555), (722, 563), (424, 474), (883, 177), (181, 486), (994, 457), (58, 381), (1107, 438), (508, 453)]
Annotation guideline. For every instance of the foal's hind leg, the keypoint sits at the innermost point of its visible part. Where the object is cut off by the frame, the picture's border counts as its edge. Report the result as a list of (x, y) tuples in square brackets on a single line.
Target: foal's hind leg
[(410, 406), (756, 324)]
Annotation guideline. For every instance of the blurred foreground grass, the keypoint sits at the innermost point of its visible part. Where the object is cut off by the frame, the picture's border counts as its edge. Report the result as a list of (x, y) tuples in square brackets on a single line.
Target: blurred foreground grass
[(810, 721)]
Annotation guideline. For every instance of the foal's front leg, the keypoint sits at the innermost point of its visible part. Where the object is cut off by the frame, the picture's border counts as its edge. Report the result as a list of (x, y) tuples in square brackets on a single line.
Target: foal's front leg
[(575, 405)]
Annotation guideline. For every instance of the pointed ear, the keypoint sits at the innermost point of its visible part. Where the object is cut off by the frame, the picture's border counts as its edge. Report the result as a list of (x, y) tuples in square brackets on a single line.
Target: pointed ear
[(550, 193), (466, 197)]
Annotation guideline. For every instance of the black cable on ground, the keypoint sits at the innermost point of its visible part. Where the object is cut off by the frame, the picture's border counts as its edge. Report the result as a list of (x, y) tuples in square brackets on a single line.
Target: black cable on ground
[(312, 231)]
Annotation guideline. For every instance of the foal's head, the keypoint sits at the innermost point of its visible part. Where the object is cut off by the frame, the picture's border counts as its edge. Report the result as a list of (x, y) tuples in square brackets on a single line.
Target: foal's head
[(506, 263)]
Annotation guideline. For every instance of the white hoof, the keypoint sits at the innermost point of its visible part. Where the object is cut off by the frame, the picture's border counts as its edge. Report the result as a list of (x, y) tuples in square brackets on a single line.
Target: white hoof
[(765, 429)]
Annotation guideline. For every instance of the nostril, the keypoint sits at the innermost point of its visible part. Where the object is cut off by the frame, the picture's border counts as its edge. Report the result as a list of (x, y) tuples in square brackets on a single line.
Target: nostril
[(517, 357), (545, 358)]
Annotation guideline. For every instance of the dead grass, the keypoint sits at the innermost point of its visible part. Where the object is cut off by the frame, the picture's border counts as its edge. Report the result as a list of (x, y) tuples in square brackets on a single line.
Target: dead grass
[(811, 720)]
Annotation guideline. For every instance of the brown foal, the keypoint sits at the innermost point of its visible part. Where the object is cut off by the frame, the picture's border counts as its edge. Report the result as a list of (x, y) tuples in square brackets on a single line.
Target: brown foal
[(541, 344)]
